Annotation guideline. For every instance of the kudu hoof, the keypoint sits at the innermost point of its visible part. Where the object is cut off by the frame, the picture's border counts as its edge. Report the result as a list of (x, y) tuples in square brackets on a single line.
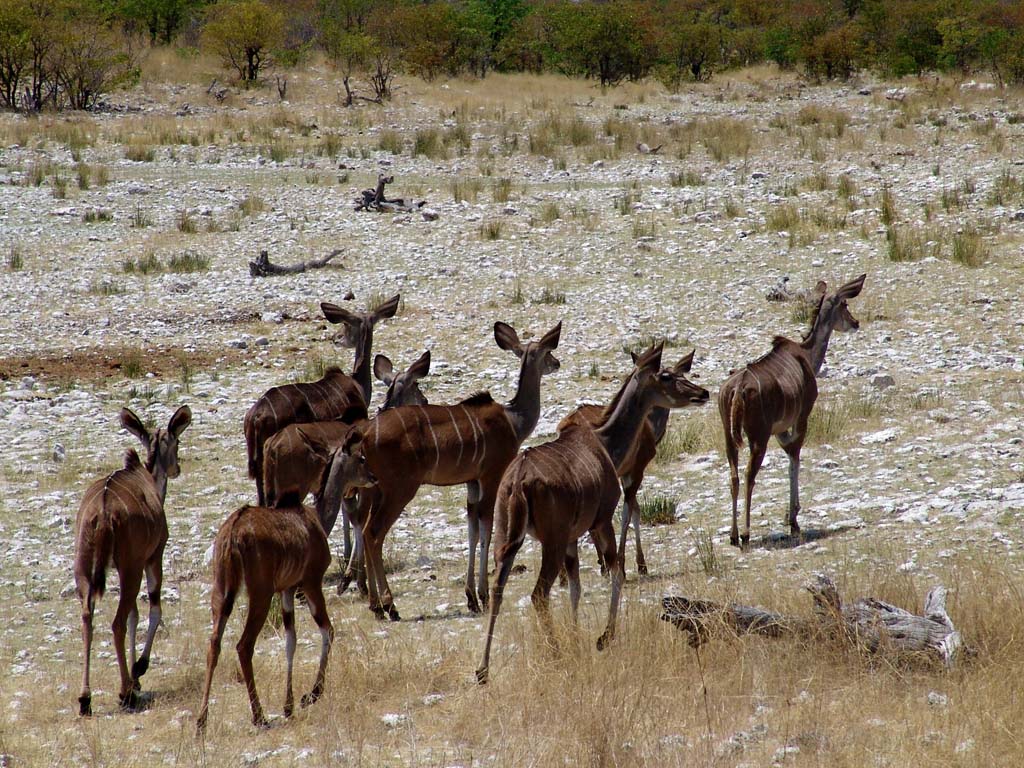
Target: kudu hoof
[(289, 711), (393, 613), (260, 722), (312, 697), (343, 585), (604, 640), (641, 569), (130, 701), (472, 603), (139, 668), (745, 541), (481, 675), (85, 706)]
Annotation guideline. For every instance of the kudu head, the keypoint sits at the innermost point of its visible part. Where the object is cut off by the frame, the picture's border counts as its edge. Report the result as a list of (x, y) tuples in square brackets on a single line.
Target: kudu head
[(161, 446), (535, 355), (349, 471), (667, 387), (832, 309), (358, 326), (403, 388)]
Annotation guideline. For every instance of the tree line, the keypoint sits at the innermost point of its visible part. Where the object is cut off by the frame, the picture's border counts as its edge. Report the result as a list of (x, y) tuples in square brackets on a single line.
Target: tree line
[(67, 53)]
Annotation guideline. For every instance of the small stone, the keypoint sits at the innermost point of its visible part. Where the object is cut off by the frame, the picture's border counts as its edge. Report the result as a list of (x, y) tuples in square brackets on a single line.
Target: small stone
[(272, 317), (262, 341), (882, 381), (59, 453), (936, 699), (238, 344), (429, 214)]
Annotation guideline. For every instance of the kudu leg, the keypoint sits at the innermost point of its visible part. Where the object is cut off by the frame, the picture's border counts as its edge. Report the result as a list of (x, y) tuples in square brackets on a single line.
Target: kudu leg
[(572, 570), (288, 622), (792, 445), (753, 466), (732, 454), (221, 610), (630, 503), (504, 569), (551, 562), (318, 609), (154, 582), (381, 600), (256, 617), (131, 580), (485, 518), (604, 536), (88, 610)]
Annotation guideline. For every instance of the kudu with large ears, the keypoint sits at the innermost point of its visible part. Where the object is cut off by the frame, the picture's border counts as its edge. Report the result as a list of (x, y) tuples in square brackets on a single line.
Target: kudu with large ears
[(403, 388), (774, 395), (470, 442), (322, 400), (275, 551), (121, 519), (631, 471), (560, 490)]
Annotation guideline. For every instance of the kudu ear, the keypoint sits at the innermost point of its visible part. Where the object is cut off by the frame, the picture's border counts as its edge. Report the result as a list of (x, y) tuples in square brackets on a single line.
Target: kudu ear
[(633, 356), (506, 338), (819, 290), (652, 357), (420, 368), (336, 314), (852, 288), (383, 370), (134, 424), (352, 441), (550, 339), (387, 309), (684, 365), (179, 421)]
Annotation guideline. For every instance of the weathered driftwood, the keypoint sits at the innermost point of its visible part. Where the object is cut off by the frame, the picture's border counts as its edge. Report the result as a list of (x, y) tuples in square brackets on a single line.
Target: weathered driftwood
[(263, 267), (868, 623), (374, 200)]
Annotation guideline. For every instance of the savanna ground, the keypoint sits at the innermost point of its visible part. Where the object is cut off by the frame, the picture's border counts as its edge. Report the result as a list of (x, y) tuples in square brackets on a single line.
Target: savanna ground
[(125, 241)]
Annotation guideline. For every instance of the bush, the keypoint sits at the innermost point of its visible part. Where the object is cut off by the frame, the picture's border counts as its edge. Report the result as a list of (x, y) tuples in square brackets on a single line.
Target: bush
[(243, 33)]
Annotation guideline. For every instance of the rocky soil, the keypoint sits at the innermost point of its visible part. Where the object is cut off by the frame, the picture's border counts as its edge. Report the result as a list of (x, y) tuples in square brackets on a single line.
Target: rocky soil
[(919, 473)]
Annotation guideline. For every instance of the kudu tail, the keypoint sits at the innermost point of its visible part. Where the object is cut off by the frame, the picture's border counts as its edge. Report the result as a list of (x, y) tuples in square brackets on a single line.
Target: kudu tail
[(97, 554), (513, 518), (736, 418), (228, 571)]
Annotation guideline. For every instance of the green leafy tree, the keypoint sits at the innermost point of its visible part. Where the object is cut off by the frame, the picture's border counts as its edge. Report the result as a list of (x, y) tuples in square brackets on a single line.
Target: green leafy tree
[(93, 56), (244, 33), (15, 49), (161, 19)]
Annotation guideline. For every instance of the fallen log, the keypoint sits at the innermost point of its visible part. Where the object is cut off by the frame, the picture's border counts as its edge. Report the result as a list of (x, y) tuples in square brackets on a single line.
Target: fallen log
[(870, 624), (263, 266), (374, 200)]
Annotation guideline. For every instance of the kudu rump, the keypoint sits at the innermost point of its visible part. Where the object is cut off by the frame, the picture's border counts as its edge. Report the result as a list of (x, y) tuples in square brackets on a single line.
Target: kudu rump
[(470, 442), (322, 400), (560, 490), (121, 520), (774, 395)]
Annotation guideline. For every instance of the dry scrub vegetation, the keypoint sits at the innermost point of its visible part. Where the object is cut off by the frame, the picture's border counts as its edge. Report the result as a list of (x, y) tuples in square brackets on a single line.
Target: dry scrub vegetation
[(548, 210)]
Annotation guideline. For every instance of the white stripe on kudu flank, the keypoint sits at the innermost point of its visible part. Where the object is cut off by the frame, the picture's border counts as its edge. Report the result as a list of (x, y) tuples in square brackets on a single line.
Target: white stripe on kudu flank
[(433, 434), (458, 431), (476, 431)]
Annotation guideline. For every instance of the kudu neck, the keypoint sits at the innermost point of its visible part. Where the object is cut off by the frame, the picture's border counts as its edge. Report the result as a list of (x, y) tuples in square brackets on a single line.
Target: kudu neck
[(621, 427), (524, 409), (817, 340), (363, 364), (159, 475)]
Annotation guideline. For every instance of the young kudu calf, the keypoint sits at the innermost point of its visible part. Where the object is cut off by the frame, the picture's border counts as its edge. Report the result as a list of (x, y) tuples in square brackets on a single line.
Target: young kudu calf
[(774, 395), (275, 551), (322, 400), (631, 471), (296, 459), (121, 519), (470, 442), (560, 490)]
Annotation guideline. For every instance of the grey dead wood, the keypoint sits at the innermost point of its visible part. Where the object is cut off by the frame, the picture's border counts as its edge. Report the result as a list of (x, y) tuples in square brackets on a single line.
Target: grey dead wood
[(264, 267), (374, 200), (867, 623)]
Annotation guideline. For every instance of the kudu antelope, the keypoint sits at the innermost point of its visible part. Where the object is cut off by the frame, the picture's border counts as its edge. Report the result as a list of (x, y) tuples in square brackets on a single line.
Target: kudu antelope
[(275, 551), (121, 520), (470, 442), (774, 395), (296, 459), (321, 400), (560, 490), (631, 471)]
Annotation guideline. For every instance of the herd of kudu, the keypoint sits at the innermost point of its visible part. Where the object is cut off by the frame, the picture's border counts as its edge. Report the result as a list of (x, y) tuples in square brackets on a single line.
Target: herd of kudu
[(318, 438)]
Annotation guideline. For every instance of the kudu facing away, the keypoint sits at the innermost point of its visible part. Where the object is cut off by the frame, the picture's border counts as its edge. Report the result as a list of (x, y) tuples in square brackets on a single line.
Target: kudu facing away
[(774, 395), (275, 551), (631, 471), (321, 400), (560, 490), (121, 519), (296, 459), (470, 442)]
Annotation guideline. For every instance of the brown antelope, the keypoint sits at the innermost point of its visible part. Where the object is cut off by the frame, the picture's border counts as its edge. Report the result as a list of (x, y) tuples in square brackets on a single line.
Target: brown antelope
[(774, 395), (562, 489), (275, 551), (321, 400), (296, 459), (470, 442), (631, 472), (121, 520)]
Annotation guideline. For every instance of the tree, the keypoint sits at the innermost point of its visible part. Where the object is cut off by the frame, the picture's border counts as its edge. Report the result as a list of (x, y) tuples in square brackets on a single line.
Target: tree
[(162, 19), (244, 33), (15, 49), (92, 59)]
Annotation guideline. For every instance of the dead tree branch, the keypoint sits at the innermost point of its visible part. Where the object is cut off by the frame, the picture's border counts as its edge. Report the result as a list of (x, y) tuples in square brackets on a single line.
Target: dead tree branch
[(263, 267)]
